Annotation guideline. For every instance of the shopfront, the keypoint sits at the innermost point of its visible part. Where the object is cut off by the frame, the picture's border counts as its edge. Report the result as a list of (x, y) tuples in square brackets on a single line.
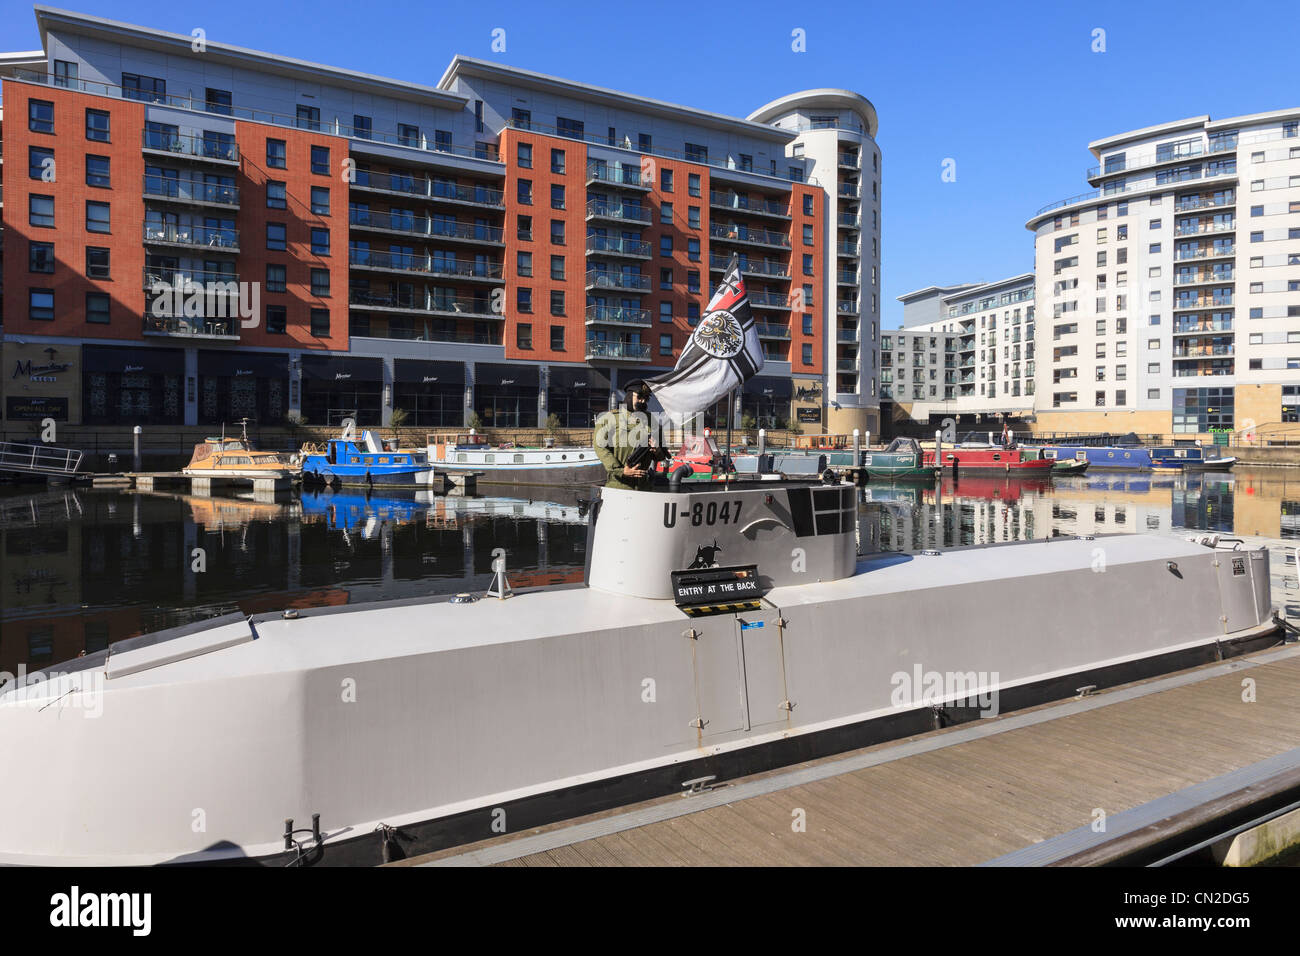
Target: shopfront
[(431, 393), (335, 387), (766, 400), (40, 382), (577, 395), (238, 385), (505, 396), (132, 386)]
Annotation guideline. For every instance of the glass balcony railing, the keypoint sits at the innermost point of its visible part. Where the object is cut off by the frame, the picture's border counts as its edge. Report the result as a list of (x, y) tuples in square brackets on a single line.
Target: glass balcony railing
[(773, 300), (847, 249), (626, 212), (632, 282), (850, 160), (421, 226), (1202, 326), (426, 265), (190, 326), (619, 247), (409, 184), (766, 331), (618, 175), (846, 278), (738, 233), (424, 333), (206, 280), (778, 270), (847, 336), (1203, 202), (1158, 158), (222, 148), (207, 237), (617, 351), (470, 307), (764, 207), (848, 220), (1206, 252), (1200, 228), (846, 306), (189, 190), (1203, 278), (1202, 351), (618, 315)]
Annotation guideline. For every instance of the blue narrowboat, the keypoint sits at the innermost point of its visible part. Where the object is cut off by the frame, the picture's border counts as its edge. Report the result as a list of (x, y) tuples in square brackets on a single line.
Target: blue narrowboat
[(1132, 457), (1189, 458), (365, 462)]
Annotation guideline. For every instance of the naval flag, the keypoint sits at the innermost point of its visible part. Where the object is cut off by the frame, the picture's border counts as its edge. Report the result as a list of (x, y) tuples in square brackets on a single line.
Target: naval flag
[(723, 352)]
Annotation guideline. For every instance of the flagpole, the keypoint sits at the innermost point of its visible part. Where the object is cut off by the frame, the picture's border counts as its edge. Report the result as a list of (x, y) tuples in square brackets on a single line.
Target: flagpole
[(726, 453)]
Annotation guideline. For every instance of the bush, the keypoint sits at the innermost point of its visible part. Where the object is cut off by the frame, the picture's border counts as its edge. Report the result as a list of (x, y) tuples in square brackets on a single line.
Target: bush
[(474, 421), (399, 418)]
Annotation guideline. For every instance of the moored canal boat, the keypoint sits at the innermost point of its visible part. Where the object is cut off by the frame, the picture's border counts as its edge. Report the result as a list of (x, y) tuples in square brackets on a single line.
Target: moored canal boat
[(468, 453), (902, 460), (1188, 458), (239, 458), (365, 462), (983, 458)]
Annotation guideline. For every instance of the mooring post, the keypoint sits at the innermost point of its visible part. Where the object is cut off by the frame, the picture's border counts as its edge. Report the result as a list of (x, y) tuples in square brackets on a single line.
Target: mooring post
[(762, 441), (136, 433)]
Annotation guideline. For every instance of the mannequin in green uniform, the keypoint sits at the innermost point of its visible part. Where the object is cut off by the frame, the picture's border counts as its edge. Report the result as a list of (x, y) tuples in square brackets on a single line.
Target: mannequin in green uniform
[(620, 433)]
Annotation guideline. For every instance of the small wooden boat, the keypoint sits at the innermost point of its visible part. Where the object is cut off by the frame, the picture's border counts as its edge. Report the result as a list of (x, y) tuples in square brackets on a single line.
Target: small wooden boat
[(238, 458), (1070, 466)]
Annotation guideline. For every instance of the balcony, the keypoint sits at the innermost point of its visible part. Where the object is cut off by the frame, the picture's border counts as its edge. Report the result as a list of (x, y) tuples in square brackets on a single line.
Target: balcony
[(846, 365), (773, 300), (210, 239), (614, 351), (766, 331), (211, 148), (1203, 278), (1198, 371), (1202, 302), (619, 212), (846, 307), (618, 315), (381, 221), (188, 280), (849, 337), (451, 306), (1206, 252), (759, 207), (1202, 351), (774, 270), (848, 249), (1160, 157), (225, 330), (607, 246), (1187, 203), (424, 265), (849, 191), (623, 282), (849, 160), (846, 278), (622, 176), (190, 192), (1202, 326), (743, 234), (430, 189), (1201, 228), (427, 334), (849, 220)]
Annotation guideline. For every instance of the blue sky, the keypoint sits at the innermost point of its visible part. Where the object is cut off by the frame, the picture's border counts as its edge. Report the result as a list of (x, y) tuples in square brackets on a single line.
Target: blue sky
[(1013, 92)]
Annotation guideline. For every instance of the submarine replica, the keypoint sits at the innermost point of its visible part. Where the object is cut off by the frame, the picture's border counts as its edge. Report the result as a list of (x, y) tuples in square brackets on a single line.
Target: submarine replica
[(721, 629)]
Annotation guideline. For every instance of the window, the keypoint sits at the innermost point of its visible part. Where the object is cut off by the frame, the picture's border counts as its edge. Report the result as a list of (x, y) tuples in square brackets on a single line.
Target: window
[(557, 336), (320, 323), (320, 200), (557, 196), (524, 192), (808, 234), (524, 335), (524, 300), (557, 232), (98, 172), (361, 126), (666, 344), (218, 101), (522, 119), (524, 155), (65, 74), (693, 282), (1291, 403), (320, 283), (666, 246), (275, 279), (557, 267), (807, 353), (665, 311), (275, 319), (478, 117), (693, 217), (693, 184), (570, 128), (524, 229), (643, 142), (666, 279), (696, 153), (524, 263), (275, 154), (692, 314), (40, 257), (150, 89), (807, 264), (408, 135), (308, 117), (666, 181), (40, 116), (97, 217), (97, 126), (557, 161), (320, 242), (97, 308), (442, 140), (557, 302), (320, 160), (97, 263), (275, 235), (808, 204), (276, 197), (40, 164), (666, 214), (40, 305), (693, 250)]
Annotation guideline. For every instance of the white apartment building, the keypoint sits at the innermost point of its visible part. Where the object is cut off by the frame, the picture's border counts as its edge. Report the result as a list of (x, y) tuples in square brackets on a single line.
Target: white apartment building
[(1174, 286)]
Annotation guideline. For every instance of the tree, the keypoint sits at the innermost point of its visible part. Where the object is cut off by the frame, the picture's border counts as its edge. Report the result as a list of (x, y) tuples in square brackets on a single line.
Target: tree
[(399, 418), (474, 421)]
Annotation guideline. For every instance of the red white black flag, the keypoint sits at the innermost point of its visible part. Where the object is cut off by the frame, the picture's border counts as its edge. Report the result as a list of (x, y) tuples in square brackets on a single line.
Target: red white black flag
[(723, 352)]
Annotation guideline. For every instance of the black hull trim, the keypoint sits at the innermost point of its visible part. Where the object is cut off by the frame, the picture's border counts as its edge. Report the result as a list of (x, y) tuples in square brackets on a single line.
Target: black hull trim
[(542, 809)]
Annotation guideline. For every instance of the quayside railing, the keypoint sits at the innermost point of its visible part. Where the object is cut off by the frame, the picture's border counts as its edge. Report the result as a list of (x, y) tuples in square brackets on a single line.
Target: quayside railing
[(38, 459)]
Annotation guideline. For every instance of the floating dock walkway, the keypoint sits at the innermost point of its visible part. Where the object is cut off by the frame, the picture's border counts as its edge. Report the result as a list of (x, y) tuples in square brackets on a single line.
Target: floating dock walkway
[(153, 480), (1134, 774)]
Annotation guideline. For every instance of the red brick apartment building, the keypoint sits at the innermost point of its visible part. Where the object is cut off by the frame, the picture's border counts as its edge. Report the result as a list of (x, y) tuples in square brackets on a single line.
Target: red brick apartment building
[(197, 236)]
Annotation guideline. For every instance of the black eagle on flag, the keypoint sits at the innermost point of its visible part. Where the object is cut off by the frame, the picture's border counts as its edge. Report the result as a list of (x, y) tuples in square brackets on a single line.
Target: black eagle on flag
[(723, 352)]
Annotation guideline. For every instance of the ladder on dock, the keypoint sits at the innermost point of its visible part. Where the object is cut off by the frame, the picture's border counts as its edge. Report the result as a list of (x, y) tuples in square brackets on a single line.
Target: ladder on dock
[(29, 459)]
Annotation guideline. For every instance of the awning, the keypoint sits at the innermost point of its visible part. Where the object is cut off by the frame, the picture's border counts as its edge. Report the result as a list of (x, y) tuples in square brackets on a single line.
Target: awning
[(97, 358), (769, 387), (342, 368), (421, 372), (568, 379), (241, 364), (517, 376)]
